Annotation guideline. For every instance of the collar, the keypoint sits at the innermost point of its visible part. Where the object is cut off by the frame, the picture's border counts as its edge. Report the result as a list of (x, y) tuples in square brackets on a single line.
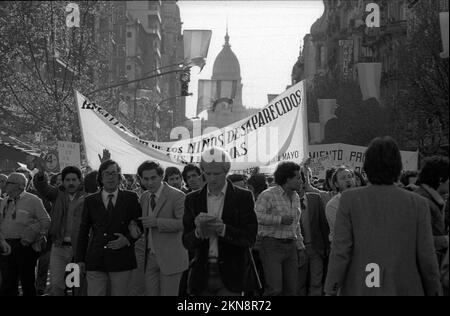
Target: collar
[(18, 197), (105, 194), (434, 194), (223, 191), (158, 193)]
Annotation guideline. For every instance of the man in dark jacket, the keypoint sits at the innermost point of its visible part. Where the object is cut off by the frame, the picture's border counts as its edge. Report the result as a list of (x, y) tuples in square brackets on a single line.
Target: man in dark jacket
[(67, 201), (110, 256), (314, 227), (433, 185), (220, 226)]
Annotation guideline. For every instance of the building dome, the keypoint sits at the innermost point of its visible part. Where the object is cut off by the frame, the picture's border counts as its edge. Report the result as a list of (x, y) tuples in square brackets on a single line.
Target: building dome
[(226, 65)]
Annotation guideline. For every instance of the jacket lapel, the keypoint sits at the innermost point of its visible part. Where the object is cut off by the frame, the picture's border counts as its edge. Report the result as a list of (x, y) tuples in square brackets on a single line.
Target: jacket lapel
[(202, 205), (161, 200), (145, 200), (229, 203)]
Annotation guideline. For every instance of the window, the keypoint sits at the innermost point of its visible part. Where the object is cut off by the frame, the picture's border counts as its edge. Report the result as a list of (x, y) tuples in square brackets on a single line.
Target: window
[(129, 34), (128, 67)]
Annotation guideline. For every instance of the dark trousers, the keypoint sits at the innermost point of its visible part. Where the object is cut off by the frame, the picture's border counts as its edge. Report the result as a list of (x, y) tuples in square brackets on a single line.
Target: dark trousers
[(19, 265)]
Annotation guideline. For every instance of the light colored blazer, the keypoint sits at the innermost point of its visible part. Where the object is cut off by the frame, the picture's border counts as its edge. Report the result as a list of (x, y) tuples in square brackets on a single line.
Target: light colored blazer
[(390, 227), (170, 253)]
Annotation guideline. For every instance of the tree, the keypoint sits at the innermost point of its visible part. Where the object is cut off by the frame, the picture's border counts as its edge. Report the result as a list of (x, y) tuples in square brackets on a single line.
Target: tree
[(41, 62), (420, 116)]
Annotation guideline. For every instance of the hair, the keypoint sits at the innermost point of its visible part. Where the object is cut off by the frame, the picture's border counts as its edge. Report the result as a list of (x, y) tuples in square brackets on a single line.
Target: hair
[(360, 177), (328, 177), (285, 170), (90, 182), (71, 169), (235, 177), (404, 178), (259, 183), (216, 155), (21, 177), (383, 162), (105, 165), (188, 168), (170, 171), (269, 179), (434, 171), (150, 165), (336, 172)]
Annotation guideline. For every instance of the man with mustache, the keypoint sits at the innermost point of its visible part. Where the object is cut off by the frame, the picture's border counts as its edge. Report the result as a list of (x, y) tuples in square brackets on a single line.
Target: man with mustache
[(67, 201)]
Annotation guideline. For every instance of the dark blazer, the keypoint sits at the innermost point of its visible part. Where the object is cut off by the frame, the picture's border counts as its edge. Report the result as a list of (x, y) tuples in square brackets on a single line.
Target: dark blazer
[(318, 224), (390, 227), (241, 228), (104, 226), (437, 222)]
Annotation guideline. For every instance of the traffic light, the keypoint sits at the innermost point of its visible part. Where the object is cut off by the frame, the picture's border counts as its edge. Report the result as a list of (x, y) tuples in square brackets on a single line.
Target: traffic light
[(185, 78)]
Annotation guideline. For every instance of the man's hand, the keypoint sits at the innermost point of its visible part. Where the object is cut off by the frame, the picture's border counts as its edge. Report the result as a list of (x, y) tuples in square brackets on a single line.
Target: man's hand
[(40, 164), (135, 232), (149, 221), (106, 156), (287, 220), (119, 243), (302, 257), (25, 243), (5, 248)]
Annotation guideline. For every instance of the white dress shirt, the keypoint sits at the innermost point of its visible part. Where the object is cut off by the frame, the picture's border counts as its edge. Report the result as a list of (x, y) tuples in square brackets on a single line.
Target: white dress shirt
[(105, 197), (215, 205)]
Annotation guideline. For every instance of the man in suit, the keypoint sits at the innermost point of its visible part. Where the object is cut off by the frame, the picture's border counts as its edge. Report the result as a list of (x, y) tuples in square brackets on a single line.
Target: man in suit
[(110, 256), (220, 226), (163, 208), (315, 231), (383, 243)]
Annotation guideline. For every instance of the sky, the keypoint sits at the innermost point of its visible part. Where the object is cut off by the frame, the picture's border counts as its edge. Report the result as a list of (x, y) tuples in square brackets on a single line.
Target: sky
[(265, 36)]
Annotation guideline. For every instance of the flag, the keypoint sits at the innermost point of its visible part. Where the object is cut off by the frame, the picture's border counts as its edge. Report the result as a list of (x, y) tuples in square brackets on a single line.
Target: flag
[(315, 133), (196, 46), (443, 18), (327, 108), (369, 80), (207, 92)]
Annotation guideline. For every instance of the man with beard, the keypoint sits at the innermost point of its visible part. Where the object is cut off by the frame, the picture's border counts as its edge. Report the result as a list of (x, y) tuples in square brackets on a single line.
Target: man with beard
[(343, 179), (67, 201)]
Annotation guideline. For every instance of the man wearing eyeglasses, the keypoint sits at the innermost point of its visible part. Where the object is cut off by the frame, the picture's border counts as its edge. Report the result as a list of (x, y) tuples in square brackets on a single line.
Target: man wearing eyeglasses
[(23, 220), (110, 257)]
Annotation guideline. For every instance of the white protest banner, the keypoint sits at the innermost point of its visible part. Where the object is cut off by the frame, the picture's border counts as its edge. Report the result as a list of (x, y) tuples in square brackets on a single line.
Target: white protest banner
[(69, 154), (277, 132), (351, 156)]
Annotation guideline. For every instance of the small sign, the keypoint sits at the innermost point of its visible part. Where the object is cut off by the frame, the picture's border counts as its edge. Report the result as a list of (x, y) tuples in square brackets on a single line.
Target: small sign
[(51, 162), (69, 154)]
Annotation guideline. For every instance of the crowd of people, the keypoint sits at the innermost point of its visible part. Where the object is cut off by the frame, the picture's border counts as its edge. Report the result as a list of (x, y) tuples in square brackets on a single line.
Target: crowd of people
[(202, 231)]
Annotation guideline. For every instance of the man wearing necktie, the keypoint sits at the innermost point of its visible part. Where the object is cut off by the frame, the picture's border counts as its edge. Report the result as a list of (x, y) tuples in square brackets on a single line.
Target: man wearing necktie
[(110, 257), (162, 208)]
